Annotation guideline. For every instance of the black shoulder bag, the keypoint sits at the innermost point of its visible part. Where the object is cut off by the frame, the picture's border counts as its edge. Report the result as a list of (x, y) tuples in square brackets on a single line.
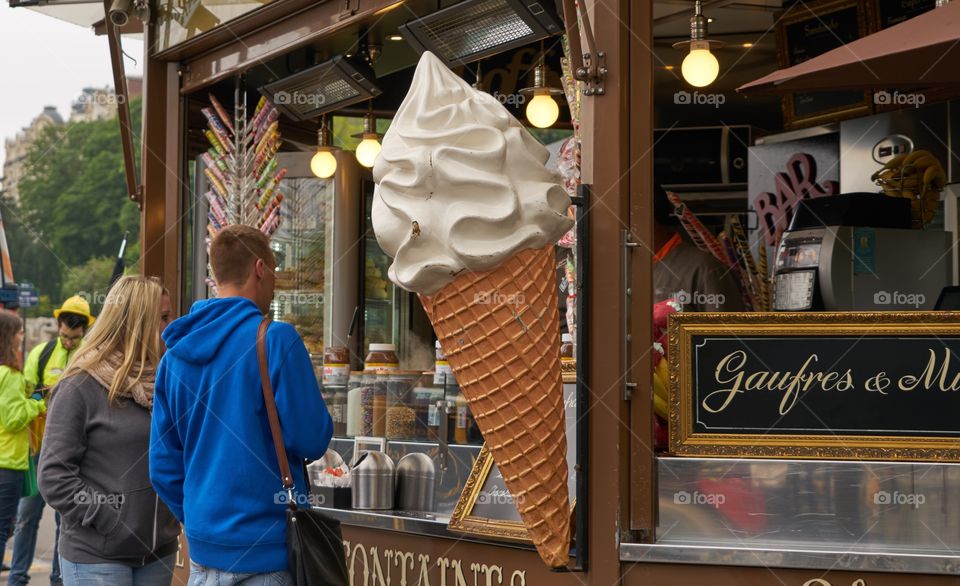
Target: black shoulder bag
[(314, 542)]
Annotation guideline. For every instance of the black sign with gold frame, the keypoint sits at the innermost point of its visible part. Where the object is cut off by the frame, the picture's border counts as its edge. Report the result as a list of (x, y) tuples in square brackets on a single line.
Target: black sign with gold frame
[(816, 385), (806, 30)]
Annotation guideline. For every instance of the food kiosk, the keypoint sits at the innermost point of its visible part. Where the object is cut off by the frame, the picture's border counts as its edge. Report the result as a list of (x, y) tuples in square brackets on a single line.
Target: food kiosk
[(809, 477)]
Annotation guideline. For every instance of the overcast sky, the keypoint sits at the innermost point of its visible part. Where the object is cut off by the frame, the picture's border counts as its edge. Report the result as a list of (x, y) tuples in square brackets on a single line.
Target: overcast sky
[(48, 62)]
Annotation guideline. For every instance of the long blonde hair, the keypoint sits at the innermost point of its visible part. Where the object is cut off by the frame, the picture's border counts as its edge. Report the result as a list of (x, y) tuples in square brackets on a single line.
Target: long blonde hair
[(128, 326)]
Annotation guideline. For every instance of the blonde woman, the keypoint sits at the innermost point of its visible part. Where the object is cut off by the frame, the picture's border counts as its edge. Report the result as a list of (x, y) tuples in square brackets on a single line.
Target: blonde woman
[(93, 464), (16, 412)]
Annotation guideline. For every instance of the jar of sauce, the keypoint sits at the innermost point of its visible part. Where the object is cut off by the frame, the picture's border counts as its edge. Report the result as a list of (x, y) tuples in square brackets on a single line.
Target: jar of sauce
[(336, 366), (382, 357), (568, 360), (337, 405)]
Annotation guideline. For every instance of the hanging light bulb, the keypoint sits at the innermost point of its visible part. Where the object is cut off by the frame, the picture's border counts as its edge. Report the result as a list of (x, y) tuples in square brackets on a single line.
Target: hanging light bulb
[(324, 163), (369, 147), (700, 67), (542, 111)]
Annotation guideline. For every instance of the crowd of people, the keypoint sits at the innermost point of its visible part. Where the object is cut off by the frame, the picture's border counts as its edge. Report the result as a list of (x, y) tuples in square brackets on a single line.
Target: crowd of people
[(131, 430)]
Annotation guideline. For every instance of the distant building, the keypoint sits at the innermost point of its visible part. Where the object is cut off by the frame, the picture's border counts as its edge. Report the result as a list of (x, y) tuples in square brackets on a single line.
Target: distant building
[(14, 166), (101, 103), (93, 104)]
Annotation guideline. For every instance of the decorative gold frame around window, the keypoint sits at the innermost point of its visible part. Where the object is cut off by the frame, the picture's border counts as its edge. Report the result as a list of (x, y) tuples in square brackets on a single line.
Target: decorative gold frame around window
[(685, 442)]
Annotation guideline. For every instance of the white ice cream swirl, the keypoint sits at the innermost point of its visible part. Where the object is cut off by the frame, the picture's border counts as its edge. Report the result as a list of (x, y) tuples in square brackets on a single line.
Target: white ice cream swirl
[(461, 184)]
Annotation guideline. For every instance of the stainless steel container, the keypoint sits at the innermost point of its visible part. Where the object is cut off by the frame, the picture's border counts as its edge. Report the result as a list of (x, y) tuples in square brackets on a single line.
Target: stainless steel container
[(373, 481), (416, 483)]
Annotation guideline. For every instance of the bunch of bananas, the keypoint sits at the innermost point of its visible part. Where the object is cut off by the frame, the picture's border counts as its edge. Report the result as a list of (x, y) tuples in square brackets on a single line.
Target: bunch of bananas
[(661, 389), (917, 176)]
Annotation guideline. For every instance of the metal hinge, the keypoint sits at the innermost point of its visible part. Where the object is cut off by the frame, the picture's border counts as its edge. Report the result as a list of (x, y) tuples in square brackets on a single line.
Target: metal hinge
[(628, 245), (589, 66)]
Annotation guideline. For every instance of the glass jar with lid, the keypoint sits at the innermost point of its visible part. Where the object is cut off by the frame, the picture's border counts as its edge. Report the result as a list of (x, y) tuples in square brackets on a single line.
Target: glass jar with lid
[(354, 404), (401, 414), (368, 402), (336, 399), (378, 416), (336, 366), (401, 418), (425, 396), (382, 357), (461, 426)]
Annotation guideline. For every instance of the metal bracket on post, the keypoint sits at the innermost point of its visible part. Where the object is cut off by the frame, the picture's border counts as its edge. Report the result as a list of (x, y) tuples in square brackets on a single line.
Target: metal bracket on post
[(589, 67), (134, 187), (627, 274)]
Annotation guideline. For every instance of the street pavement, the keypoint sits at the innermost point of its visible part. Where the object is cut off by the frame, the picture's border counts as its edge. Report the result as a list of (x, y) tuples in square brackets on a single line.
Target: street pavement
[(40, 572)]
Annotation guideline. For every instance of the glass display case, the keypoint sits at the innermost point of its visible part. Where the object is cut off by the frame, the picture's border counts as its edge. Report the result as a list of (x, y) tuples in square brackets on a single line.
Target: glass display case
[(401, 405), (379, 293), (300, 246)]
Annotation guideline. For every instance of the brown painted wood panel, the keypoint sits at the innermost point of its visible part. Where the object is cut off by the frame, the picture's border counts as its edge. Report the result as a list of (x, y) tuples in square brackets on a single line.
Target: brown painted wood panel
[(393, 558), (642, 498), (605, 140), (161, 174)]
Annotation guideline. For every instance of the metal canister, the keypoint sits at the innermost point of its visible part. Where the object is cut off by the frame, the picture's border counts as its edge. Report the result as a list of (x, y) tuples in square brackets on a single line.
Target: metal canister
[(416, 483), (373, 481)]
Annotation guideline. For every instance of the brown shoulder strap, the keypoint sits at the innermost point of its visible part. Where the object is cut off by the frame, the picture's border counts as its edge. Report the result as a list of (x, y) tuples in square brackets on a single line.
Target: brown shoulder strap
[(271, 404)]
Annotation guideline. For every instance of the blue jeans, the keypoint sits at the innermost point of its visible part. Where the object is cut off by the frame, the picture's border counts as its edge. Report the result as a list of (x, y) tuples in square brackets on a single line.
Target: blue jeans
[(25, 539), (11, 487), (25, 542), (159, 573), (204, 576)]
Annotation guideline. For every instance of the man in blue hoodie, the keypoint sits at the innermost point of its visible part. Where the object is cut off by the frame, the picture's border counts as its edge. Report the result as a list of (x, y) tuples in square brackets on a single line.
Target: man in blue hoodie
[(212, 459)]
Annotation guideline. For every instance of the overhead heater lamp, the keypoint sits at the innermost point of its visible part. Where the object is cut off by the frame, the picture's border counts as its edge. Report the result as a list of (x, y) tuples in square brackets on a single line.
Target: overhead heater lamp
[(475, 29), (324, 162), (322, 88), (700, 67)]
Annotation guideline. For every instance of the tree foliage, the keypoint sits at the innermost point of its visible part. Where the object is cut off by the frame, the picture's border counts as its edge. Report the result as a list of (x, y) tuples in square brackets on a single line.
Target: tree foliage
[(90, 281), (32, 259), (73, 207)]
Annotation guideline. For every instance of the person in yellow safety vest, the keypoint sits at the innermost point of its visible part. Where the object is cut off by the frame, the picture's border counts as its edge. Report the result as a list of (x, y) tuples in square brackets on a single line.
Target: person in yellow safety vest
[(44, 366)]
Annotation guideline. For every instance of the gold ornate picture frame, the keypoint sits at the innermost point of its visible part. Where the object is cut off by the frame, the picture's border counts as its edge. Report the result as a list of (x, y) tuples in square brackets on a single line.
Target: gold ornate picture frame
[(463, 519), (818, 15), (507, 524), (874, 392)]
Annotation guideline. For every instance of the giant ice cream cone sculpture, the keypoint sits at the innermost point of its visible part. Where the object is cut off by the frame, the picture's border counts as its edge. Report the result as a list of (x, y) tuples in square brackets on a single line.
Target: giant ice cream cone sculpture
[(470, 214)]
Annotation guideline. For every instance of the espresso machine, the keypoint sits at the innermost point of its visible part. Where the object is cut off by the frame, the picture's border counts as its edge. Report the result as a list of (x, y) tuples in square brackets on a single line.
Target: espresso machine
[(857, 252)]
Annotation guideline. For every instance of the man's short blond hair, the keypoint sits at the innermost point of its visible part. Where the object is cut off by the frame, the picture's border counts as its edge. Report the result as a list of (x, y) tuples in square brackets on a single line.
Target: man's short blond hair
[(234, 252)]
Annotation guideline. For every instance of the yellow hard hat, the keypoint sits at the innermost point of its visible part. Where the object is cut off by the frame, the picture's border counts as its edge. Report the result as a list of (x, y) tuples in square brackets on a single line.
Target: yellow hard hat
[(77, 305)]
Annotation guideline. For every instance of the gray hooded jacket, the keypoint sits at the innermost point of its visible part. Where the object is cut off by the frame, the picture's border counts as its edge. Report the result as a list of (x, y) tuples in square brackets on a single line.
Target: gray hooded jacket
[(94, 470)]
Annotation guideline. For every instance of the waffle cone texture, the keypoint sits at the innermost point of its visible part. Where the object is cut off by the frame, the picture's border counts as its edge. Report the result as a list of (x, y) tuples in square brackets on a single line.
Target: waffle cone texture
[(500, 331)]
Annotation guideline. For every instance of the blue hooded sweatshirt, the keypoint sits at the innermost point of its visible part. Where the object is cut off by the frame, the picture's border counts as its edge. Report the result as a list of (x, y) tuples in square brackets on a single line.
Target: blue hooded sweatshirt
[(212, 459)]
